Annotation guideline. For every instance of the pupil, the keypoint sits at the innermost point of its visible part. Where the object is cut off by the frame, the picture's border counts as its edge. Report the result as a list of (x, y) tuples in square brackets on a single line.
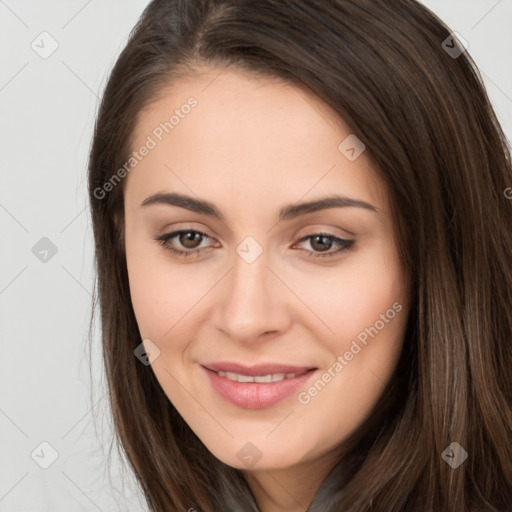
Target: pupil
[(188, 239), (324, 240)]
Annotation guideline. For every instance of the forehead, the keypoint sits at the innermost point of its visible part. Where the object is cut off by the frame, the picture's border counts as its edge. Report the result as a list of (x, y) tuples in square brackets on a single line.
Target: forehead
[(249, 135)]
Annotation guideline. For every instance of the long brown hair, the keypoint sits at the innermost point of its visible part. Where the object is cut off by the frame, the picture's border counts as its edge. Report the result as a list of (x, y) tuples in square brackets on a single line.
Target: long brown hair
[(390, 71)]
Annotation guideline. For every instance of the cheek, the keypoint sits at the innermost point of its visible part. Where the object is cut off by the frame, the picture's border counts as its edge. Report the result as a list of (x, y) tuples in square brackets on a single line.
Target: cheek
[(160, 294), (353, 296)]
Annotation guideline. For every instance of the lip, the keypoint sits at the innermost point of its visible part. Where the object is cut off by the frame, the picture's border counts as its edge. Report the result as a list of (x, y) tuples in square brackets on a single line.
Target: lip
[(256, 370), (256, 395)]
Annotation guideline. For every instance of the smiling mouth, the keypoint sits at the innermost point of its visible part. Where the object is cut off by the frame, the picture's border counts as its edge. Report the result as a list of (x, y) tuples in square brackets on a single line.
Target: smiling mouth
[(256, 387)]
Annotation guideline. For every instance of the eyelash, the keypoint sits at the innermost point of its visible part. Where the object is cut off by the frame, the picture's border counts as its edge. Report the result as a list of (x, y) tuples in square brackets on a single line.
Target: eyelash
[(345, 245)]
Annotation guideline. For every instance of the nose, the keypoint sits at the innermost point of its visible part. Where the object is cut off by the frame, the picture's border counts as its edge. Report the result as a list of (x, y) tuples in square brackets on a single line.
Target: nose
[(253, 302)]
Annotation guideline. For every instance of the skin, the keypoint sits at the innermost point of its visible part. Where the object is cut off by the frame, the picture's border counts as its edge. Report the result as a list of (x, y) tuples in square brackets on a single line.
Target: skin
[(251, 146)]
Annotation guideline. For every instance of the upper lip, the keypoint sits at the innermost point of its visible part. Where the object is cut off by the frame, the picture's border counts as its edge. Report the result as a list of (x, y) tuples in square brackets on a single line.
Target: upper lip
[(257, 369)]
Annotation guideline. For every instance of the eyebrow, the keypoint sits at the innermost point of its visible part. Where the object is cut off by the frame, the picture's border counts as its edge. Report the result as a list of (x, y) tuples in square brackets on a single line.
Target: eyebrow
[(285, 213)]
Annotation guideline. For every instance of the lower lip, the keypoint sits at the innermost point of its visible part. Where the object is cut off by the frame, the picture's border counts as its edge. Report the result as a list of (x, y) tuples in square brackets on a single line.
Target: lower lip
[(256, 395)]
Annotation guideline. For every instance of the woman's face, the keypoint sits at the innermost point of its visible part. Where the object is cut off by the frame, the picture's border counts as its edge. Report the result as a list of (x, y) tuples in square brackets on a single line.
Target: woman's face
[(273, 287)]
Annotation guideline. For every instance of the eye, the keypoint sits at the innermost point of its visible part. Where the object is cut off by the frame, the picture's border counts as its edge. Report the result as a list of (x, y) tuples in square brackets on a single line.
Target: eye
[(188, 238), (191, 241), (323, 242)]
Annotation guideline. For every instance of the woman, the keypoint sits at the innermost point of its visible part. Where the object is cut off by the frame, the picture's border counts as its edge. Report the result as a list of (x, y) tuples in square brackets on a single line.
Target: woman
[(303, 248)]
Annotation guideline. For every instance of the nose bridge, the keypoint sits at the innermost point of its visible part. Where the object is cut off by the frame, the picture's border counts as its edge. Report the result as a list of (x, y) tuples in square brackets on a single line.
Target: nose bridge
[(252, 303)]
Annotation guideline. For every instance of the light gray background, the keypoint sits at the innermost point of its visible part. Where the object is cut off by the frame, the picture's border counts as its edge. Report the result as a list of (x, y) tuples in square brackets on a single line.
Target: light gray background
[(47, 110)]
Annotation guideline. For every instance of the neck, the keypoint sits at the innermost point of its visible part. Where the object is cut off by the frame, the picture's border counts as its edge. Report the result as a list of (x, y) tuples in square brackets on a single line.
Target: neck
[(291, 489)]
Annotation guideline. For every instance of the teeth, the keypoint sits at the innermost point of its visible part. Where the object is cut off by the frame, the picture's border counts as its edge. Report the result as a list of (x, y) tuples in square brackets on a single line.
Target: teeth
[(263, 378), (242, 378), (260, 378)]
